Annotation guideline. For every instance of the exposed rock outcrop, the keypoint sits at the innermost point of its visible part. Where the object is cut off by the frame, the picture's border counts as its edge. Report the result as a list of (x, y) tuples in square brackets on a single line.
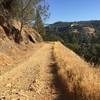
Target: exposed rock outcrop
[(11, 30)]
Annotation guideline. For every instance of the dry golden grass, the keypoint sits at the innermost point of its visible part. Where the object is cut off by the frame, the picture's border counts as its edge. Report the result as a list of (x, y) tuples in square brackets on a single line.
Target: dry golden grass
[(81, 81)]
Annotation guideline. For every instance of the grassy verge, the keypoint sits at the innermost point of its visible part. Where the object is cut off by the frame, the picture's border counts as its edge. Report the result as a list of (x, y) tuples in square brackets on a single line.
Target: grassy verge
[(80, 80)]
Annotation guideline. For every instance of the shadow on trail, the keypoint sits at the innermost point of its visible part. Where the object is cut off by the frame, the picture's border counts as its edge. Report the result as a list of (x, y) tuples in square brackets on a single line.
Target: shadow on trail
[(62, 93)]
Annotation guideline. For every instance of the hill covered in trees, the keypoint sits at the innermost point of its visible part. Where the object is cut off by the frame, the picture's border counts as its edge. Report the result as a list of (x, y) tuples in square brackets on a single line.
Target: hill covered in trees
[(83, 37)]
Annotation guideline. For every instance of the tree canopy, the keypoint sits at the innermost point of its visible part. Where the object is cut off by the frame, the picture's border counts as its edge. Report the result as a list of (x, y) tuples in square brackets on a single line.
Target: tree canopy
[(24, 10)]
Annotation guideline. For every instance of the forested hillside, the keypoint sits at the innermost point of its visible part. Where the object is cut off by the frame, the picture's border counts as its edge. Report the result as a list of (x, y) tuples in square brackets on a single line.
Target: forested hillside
[(83, 37)]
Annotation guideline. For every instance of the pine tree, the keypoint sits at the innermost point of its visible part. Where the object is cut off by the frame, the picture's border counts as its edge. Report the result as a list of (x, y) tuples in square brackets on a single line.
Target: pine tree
[(39, 26), (74, 39)]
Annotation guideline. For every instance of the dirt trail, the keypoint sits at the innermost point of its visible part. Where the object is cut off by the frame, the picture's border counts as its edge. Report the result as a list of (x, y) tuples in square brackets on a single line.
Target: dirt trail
[(34, 79)]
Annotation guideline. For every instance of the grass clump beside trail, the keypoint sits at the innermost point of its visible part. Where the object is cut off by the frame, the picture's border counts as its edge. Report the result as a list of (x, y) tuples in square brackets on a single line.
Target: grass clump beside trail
[(81, 81)]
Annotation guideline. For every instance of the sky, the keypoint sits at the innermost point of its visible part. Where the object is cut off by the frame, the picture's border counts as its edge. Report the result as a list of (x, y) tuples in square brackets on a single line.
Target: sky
[(73, 10)]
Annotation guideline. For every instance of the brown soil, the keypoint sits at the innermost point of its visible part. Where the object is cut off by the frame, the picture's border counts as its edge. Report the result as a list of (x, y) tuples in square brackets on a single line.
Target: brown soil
[(37, 74)]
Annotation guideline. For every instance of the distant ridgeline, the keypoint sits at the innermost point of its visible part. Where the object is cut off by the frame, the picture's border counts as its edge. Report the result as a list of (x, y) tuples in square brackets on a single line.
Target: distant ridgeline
[(83, 37)]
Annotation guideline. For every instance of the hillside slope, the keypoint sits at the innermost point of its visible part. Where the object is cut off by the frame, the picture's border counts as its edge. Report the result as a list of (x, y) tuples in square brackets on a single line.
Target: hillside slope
[(82, 37), (12, 51), (51, 72), (81, 81)]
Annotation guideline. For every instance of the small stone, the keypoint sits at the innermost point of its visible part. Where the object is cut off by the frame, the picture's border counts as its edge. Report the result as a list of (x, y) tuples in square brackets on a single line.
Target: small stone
[(14, 91), (30, 88), (9, 85), (2, 98), (15, 99)]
